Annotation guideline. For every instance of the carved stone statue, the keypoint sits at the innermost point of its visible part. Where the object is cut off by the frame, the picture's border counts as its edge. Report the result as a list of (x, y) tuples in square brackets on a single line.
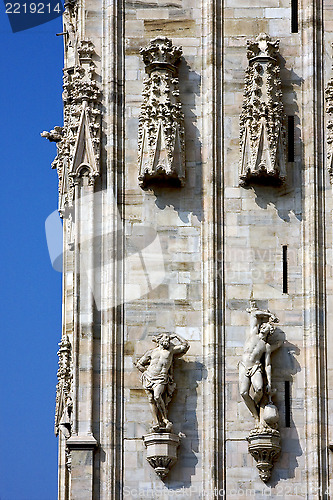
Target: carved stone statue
[(156, 366), (255, 372), (252, 372)]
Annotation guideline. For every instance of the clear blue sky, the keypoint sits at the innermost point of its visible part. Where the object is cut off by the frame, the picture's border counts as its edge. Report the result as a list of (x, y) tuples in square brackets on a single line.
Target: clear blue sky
[(30, 289)]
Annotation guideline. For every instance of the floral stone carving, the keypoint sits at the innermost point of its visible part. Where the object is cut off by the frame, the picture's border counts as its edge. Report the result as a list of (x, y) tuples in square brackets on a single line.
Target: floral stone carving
[(262, 131), (64, 403), (78, 141), (255, 385), (161, 122), (156, 366), (329, 139)]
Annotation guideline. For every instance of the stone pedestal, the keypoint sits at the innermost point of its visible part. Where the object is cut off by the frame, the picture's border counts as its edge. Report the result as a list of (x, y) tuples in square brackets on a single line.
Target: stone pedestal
[(161, 451), (265, 447)]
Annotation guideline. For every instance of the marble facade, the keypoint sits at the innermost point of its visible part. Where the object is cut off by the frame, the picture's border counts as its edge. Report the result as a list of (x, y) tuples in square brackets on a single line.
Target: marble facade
[(187, 259)]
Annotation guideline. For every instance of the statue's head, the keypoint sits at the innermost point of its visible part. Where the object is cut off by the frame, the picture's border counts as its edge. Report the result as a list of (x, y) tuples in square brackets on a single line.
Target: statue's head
[(163, 339), (265, 330)]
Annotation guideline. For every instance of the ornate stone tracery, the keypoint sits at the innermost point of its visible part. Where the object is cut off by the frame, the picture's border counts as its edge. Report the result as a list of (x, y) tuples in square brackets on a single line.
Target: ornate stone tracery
[(161, 123), (329, 137), (63, 396), (78, 141), (262, 131)]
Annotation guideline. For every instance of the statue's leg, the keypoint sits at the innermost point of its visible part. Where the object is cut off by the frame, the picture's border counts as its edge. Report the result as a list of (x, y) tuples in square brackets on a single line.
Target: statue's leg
[(257, 384), (244, 389), (158, 392), (153, 407)]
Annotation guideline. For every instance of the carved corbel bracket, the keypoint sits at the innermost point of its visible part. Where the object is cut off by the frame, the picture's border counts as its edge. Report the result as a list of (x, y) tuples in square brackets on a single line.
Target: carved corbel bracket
[(161, 122), (161, 451), (265, 447), (262, 131)]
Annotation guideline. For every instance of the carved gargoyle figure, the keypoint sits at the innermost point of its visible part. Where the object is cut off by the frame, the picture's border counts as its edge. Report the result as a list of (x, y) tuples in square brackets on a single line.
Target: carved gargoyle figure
[(161, 122), (156, 366), (55, 135), (255, 373), (262, 130)]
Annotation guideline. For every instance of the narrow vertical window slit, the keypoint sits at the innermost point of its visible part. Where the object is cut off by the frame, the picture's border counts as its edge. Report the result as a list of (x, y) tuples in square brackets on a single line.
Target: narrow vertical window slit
[(291, 138), (294, 16), (287, 402), (284, 269)]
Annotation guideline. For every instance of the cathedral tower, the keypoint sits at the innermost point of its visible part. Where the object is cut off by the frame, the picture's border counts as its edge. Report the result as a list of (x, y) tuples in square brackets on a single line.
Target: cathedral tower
[(194, 167)]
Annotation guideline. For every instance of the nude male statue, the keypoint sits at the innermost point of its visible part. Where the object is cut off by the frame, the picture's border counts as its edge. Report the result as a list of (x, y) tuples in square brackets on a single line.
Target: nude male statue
[(251, 369), (156, 366)]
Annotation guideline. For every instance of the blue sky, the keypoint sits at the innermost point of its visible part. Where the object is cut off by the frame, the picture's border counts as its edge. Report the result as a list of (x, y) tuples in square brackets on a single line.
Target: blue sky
[(30, 289)]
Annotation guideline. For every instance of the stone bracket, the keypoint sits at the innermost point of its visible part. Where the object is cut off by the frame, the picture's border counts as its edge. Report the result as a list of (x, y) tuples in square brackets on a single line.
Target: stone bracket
[(82, 443), (265, 447), (161, 451)]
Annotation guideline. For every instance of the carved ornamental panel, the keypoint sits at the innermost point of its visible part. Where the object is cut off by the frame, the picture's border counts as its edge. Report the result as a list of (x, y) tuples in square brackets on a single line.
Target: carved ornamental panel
[(64, 387), (161, 123), (262, 132), (329, 138)]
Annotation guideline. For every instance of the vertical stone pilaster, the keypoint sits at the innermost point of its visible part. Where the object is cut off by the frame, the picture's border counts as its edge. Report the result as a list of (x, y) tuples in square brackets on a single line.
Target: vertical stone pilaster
[(82, 466)]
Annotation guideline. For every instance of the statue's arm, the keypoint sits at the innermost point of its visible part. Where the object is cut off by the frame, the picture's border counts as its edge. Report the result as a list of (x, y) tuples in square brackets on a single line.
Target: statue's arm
[(276, 345), (268, 369), (182, 347), (142, 363), (259, 314)]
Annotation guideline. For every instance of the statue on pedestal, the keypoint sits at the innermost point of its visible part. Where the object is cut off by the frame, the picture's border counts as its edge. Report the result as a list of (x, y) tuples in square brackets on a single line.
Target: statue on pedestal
[(255, 385), (157, 379), (156, 366)]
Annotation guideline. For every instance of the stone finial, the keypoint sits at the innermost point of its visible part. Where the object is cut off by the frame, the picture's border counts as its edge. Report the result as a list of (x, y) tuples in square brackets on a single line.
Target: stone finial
[(262, 130), (86, 50), (160, 53), (262, 48)]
